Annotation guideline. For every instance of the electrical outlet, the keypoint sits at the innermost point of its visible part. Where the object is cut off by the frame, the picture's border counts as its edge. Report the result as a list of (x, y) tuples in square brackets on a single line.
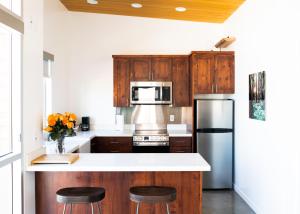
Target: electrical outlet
[(172, 118)]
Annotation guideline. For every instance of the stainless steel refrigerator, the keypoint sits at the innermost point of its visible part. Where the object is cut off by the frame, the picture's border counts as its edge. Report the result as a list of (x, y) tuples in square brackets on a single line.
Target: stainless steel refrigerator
[(214, 137)]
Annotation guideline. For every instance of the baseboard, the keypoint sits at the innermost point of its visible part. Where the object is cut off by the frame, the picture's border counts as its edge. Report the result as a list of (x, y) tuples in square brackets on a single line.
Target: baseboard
[(246, 199)]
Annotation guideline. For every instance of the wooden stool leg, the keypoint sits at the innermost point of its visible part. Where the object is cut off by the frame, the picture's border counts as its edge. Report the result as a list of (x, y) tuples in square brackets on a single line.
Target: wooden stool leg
[(99, 208), (168, 210), (64, 212), (137, 208)]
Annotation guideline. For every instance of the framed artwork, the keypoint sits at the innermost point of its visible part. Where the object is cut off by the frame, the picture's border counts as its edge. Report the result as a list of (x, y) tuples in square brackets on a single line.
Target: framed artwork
[(257, 93)]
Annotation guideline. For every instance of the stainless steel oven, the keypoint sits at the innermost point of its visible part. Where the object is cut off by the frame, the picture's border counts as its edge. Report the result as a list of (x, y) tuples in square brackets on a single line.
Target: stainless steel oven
[(159, 93), (151, 144)]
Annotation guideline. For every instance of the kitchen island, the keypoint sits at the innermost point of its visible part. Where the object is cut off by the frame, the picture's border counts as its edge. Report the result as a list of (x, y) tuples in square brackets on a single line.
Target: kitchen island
[(117, 173)]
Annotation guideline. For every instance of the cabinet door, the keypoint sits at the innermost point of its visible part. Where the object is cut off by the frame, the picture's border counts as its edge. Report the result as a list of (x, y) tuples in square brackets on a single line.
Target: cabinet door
[(121, 82), (140, 68), (224, 73), (111, 145), (161, 68), (181, 145), (203, 73), (181, 82)]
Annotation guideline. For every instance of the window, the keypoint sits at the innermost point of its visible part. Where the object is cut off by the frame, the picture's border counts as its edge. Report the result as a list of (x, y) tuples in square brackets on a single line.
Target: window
[(47, 86), (5, 92), (13, 5), (11, 27)]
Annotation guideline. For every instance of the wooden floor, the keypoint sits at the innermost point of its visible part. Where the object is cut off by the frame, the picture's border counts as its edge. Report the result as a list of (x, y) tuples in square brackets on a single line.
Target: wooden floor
[(224, 202)]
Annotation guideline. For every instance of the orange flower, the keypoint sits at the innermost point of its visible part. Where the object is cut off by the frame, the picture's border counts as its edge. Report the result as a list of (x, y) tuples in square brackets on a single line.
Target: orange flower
[(65, 121), (72, 117), (70, 125), (48, 129), (51, 120), (67, 114), (56, 116)]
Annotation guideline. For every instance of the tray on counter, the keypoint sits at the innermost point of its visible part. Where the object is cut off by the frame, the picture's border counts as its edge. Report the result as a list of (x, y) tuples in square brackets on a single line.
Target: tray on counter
[(56, 159)]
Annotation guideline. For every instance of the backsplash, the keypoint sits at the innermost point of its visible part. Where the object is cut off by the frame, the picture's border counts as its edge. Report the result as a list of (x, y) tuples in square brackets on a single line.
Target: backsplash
[(182, 115)]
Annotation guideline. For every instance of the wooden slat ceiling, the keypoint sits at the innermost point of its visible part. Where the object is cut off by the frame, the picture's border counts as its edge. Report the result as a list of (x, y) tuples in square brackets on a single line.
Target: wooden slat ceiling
[(213, 11)]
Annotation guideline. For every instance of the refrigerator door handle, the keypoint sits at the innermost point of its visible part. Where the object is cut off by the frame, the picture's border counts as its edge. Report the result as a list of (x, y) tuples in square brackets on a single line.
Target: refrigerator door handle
[(214, 130)]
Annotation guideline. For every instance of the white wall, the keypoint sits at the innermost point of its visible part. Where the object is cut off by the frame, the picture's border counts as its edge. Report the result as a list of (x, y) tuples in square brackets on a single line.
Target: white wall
[(267, 153), (267, 166), (32, 90), (94, 38), (56, 37)]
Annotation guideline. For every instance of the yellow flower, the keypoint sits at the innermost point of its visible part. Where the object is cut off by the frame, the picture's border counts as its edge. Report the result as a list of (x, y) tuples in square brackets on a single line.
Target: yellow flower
[(67, 114), (72, 117), (70, 125), (48, 129)]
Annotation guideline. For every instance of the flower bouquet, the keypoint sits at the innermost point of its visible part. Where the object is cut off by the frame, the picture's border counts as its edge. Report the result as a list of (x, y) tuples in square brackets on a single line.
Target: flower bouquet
[(60, 126)]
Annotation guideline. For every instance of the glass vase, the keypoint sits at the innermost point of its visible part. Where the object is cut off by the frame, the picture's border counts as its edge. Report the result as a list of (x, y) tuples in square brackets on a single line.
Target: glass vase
[(60, 146)]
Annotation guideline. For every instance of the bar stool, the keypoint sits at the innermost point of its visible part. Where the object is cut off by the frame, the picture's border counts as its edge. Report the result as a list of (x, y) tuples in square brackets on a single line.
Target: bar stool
[(77, 195), (152, 195)]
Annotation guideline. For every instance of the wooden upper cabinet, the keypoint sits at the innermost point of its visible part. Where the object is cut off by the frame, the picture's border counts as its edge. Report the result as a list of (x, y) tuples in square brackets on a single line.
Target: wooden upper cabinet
[(173, 68), (213, 72), (181, 81), (140, 68), (203, 73), (121, 82), (161, 68), (224, 73)]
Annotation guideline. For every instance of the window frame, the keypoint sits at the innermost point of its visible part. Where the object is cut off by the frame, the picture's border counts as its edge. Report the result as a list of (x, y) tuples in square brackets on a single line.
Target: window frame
[(13, 22), (47, 82)]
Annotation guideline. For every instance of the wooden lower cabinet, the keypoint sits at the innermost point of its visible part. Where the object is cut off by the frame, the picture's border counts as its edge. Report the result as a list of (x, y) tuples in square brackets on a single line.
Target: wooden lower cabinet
[(181, 145), (111, 145), (124, 145), (117, 184)]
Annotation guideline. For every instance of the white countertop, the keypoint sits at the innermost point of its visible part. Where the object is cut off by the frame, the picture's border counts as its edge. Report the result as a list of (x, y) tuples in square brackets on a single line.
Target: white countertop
[(129, 133), (131, 162), (82, 138)]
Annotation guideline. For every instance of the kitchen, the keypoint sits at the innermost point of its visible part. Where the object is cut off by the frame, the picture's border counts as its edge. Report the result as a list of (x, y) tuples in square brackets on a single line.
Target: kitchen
[(94, 65)]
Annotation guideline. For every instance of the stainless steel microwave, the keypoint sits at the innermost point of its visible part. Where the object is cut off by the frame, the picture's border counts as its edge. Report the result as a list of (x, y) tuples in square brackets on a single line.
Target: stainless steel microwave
[(151, 93)]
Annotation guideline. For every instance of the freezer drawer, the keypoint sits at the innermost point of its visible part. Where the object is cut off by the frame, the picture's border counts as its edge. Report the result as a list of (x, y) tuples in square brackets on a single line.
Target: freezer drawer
[(214, 114), (217, 150)]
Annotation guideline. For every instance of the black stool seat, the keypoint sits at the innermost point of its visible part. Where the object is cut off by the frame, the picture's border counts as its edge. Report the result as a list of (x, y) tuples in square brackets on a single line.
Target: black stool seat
[(152, 194), (80, 195)]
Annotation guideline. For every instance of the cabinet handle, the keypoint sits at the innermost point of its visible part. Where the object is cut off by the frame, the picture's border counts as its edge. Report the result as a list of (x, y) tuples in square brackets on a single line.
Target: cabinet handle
[(181, 141), (114, 142), (212, 88), (114, 151), (216, 88), (180, 151)]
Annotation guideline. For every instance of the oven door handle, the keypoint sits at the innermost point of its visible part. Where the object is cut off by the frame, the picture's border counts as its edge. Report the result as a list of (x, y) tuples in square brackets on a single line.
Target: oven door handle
[(150, 143)]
